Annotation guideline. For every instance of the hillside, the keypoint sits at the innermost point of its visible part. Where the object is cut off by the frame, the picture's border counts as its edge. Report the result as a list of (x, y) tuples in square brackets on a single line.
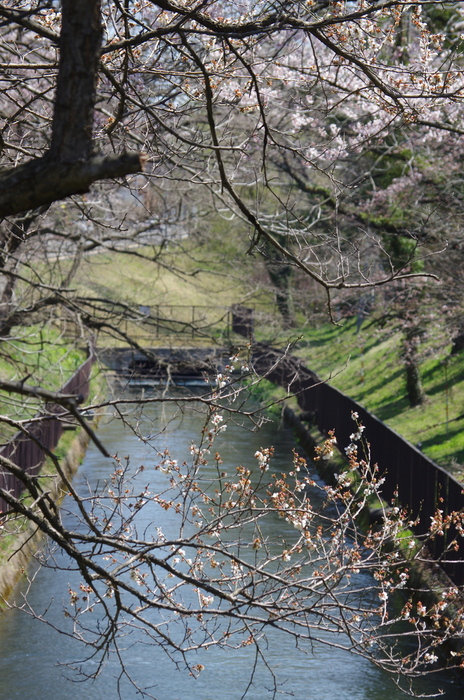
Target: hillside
[(364, 363), (367, 367)]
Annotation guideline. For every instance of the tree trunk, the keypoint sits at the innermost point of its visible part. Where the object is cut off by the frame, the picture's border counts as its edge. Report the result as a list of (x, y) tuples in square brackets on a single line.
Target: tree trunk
[(458, 341), (416, 393), (80, 44), (281, 275), (70, 166), (42, 181), (414, 388)]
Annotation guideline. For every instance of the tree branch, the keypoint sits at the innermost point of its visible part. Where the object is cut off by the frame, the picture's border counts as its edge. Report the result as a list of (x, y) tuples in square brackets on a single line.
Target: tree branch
[(43, 181), (69, 167)]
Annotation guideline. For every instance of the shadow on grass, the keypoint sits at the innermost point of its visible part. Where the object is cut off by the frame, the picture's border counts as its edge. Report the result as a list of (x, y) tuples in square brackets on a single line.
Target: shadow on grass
[(391, 409), (330, 334), (443, 383), (451, 436), (383, 404)]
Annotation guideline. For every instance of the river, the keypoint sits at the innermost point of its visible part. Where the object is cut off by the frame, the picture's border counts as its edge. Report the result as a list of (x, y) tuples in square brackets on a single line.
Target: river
[(34, 656)]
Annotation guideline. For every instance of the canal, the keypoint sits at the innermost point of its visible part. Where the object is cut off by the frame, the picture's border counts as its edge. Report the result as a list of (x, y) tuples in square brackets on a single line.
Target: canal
[(36, 660)]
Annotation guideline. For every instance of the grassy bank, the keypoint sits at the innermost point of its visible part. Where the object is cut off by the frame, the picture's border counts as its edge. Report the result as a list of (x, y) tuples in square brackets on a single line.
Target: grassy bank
[(36, 355), (20, 539), (367, 366), (189, 294)]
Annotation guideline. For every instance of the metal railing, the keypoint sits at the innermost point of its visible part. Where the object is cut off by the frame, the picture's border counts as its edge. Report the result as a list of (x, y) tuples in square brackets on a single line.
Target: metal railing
[(190, 322), (146, 325), (411, 478)]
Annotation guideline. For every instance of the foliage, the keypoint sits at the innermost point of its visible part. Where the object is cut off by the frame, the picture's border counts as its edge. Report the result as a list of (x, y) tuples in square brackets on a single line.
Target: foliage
[(205, 570), (325, 134), (37, 351)]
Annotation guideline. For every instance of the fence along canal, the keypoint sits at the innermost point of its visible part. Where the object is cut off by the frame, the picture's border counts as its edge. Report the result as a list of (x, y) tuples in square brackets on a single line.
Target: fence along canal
[(411, 478), (28, 451)]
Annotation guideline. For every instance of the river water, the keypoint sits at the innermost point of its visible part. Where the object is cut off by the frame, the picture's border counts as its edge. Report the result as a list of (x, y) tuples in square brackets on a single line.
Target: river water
[(34, 657)]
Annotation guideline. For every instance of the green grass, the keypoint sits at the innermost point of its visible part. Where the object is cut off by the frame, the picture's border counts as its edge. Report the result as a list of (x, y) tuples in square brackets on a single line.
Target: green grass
[(38, 356), (367, 367), (15, 527), (40, 352), (179, 279)]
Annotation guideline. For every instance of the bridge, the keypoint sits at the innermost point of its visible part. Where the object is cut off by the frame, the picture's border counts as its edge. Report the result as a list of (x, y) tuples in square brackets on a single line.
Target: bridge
[(176, 325), (157, 364)]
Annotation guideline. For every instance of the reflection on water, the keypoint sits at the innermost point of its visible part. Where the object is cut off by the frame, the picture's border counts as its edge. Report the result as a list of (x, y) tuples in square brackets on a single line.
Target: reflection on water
[(33, 655)]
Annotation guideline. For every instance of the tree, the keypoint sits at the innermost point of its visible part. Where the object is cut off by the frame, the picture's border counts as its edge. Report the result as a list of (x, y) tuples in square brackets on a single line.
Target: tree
[(220, 102), (222, 580), (209, 103), (395, 204), (176, 61)]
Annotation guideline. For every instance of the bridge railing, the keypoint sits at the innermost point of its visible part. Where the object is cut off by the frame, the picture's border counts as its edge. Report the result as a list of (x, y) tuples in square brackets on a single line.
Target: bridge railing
[(180, 323), (189, 322)]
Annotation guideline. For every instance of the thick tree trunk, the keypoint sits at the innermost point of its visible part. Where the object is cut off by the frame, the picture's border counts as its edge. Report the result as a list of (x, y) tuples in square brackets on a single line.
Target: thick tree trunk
[(416, 393), (280, 275), (73, 114), (69, 167), (458, 342)]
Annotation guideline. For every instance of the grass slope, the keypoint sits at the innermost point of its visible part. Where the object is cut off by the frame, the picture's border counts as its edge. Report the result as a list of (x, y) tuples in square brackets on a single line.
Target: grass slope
[(36, 355), (170, 284), (180, 276), (367, 367)]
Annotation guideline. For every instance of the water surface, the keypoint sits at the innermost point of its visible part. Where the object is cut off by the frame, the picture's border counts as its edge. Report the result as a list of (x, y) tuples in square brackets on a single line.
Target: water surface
[(33, 655)]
